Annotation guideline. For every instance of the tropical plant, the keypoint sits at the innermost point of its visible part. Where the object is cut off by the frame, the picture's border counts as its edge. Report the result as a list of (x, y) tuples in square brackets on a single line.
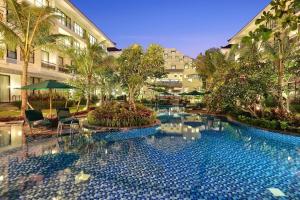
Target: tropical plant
[(115, 114), (278, 23), (29, 28), (135, 67), (107, 80), (212, 66), (87, 62)]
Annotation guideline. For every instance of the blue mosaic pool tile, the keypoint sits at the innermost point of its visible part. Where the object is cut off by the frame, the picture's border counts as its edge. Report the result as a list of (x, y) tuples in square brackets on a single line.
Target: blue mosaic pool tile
[(238, 162)]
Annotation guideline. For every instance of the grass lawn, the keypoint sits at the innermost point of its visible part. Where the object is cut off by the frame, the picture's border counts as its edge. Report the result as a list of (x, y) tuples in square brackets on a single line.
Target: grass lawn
[(17, 113)]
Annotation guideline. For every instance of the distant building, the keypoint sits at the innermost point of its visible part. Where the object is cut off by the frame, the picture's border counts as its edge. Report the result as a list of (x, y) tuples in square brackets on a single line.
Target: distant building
[(181, 76)]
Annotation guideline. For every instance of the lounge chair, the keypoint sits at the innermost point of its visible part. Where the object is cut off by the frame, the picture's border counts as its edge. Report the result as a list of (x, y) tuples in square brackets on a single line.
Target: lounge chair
[(65, 119), (35, 119)]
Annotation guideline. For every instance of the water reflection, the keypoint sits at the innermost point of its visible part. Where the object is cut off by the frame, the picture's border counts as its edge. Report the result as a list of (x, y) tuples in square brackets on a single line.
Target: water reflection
[(188, 156), (10, 136), (187, 125)]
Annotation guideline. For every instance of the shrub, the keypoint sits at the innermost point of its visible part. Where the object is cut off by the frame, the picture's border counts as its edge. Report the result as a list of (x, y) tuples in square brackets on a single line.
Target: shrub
[(295, 108), (116, 114), (283, 125), (270, 101), (265, 123), (44, 104)]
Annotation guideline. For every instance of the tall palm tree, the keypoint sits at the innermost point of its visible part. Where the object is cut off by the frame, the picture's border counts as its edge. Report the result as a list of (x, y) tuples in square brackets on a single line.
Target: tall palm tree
[(87, 61), (284, 55), (282, 17), (29, 28)]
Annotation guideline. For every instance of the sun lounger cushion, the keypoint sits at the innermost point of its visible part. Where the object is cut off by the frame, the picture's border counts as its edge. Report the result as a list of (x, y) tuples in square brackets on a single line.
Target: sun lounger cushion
[(41, 123)]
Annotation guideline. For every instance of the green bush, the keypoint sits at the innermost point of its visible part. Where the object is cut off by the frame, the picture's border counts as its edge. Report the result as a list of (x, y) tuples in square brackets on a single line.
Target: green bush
[(270, 101), (116, 114), (44, 104), (264, 123), (283, 125), (295, 108)]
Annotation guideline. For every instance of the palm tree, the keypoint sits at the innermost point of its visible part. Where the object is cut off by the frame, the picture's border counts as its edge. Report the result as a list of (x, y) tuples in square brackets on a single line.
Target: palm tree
[(283, 20), (284, 56), (27, 27), (87, 62)]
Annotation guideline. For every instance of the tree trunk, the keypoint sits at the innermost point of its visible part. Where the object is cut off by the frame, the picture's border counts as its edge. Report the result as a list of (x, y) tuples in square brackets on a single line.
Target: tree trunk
[(131, 99), (78, 104), (280, 76), (89, 92), (24, 92)]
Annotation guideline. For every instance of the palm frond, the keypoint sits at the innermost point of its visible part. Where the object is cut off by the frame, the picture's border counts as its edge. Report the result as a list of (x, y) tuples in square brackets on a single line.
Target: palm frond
[(10, 37)]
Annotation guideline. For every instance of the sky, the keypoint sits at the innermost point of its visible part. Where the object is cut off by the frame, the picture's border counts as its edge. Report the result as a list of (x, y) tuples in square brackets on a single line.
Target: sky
[(190, 26)]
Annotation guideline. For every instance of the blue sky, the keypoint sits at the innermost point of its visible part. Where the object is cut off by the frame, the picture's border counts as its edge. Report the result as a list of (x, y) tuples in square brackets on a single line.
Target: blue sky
[(191, 26)]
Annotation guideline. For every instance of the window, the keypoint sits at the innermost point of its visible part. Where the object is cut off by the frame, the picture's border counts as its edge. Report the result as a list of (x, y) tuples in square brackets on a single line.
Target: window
[(64, 19), (76, 45), (4, 88), (31, 57), (173, 67), (12, 53), (41, 3), (34, 80), (78, 29), (92, 39), (45, 56), (60, 61)]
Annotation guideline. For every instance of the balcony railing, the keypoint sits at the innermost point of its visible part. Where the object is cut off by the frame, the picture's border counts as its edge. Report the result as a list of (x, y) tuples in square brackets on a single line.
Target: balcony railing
[(174, 70), (54, 66), (11, 60), (170, 84), (48, 65), (63, 69)]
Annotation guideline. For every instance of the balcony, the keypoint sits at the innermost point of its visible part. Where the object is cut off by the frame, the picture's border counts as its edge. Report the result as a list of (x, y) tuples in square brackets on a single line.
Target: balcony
[(11, 60), (11, 57), (170, 84), (48, 65), (174, 70), (63, 69)]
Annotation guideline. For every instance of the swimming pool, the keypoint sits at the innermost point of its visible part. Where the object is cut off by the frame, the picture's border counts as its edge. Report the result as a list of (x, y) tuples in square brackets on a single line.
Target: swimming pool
[(187, 157)]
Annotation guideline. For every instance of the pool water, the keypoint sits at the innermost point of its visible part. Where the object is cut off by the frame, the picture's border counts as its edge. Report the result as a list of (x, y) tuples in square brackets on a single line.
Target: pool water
[(187, 157)]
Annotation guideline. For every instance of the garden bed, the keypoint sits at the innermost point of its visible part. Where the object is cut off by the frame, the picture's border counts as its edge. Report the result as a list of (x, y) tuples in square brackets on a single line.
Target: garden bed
[(120, 115), (272, 125)]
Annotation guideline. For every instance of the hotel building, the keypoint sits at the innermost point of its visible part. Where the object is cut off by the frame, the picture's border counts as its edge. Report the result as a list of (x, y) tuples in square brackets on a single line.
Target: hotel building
[(181, 76), (45, 65), (251, 26), (294, 83)]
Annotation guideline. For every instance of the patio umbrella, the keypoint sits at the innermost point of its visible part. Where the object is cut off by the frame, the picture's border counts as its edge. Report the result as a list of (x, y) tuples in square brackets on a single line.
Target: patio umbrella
[(48, 85)]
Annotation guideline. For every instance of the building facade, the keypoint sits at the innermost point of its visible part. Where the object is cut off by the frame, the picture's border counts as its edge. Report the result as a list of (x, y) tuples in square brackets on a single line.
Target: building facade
[(181, 76), (252, 26), (294, 82), (45, 65)]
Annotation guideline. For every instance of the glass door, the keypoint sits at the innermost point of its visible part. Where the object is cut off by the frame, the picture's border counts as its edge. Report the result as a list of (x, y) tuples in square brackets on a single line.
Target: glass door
[(4, 89)]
